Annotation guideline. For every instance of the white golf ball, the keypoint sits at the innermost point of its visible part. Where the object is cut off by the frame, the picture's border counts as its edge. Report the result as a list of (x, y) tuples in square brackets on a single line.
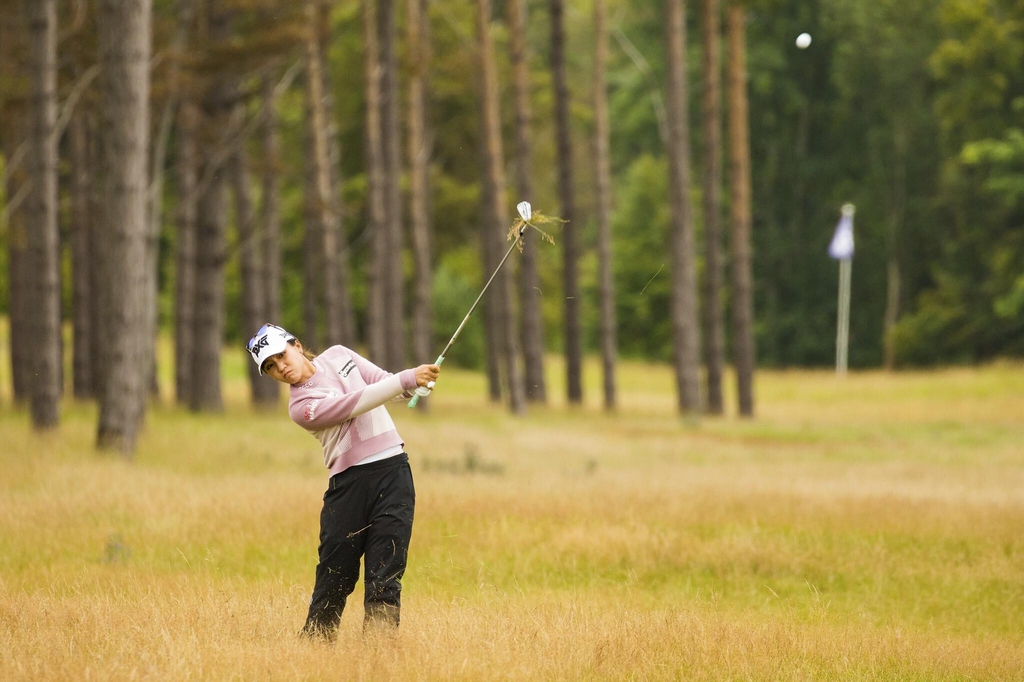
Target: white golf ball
[(803, 41)]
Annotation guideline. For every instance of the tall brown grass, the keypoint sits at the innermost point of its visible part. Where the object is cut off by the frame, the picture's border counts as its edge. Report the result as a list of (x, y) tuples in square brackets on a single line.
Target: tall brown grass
[(866, 529)]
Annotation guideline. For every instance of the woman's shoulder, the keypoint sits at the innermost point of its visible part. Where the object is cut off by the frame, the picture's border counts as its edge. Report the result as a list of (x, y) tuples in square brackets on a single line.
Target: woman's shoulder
[(338, 360), (337, 350)]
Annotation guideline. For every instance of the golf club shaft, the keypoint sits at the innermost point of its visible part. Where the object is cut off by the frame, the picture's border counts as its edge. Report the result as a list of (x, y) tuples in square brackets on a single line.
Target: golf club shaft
[(440, 358)]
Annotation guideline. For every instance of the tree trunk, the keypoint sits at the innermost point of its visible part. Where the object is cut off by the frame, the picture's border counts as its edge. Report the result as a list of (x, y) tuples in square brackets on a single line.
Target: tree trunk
[(392, 154), (739, 180), (419, 180), (896, 204), (604, 204), (685, 330), (346, 314), (156, 186), (271, 207), (42, 312), (321, 205), (82, 295), (124, 40), (494, 214), (711, 107), (492, 320), (892, 312), (185, 252), (21, 372), (489, 244), (211, 226), (18, 267), (96, 199), (264, 391), (12, 218), (573, 345), (208, 318), (529, 281), (312, 246), (376, 272)]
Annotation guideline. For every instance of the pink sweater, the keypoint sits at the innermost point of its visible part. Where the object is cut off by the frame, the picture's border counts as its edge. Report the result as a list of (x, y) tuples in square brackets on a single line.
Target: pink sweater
[(342, 405)]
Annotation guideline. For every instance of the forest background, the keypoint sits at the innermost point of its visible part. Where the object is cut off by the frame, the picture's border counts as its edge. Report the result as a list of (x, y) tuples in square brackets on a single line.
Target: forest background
[(910, 110)]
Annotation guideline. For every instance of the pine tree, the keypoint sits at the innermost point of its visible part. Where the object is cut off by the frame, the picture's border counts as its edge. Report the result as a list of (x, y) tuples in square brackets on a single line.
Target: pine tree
[(124, 39), (604, 204), (529, 279), (493, 161), (711, 122), (685, 330), (566, 194), (739, 184)]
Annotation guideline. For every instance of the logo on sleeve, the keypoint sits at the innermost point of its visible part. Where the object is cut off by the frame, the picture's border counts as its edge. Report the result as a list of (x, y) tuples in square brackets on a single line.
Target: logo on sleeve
[(310, 412), (347, 369)]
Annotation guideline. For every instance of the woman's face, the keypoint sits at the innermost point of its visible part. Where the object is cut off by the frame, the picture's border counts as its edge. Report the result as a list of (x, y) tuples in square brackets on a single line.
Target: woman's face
[(289, 366)]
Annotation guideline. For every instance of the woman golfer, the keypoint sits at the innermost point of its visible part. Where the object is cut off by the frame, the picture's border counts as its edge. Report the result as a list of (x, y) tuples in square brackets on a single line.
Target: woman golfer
[(339, 398)]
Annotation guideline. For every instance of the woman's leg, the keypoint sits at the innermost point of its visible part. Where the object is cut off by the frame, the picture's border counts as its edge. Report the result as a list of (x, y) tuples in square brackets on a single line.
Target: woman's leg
[(341, 546), (387, 544)]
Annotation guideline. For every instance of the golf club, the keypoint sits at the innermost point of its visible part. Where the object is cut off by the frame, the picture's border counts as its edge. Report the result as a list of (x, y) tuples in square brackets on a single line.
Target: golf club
[(525, 212)]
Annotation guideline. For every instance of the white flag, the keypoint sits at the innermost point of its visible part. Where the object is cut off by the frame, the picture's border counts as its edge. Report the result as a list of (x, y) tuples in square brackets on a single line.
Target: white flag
[(841, 247)]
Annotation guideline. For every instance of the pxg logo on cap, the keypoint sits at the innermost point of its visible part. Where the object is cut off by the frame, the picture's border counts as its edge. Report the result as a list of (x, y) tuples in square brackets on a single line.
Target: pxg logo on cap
[(259, 345)]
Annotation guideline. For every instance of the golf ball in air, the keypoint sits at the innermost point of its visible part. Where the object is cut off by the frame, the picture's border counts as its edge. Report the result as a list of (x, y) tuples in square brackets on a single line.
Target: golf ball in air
[(803, 41)]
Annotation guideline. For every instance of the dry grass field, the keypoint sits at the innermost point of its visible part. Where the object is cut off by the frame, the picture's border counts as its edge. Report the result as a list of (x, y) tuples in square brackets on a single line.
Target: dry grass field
[(870, 528)]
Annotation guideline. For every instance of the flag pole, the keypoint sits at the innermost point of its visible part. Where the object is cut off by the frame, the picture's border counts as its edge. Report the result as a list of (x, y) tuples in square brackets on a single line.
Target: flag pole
[(843, 326), (843, 323)]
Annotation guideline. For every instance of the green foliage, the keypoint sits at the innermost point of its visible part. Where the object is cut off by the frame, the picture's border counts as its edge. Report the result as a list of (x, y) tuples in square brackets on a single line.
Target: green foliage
[(798, 165), (973, 311), (1011, 304), (934, 329), (1004, 159), (640, 229), (980, 65), (455, 289), (892, 151)]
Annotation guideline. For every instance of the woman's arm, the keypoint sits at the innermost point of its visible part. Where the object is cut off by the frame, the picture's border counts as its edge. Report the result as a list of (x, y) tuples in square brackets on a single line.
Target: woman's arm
[(319, 412), (372, 373)]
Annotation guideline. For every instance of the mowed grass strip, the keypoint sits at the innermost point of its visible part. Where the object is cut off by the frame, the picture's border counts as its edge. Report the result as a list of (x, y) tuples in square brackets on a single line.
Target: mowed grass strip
[(863, 529)]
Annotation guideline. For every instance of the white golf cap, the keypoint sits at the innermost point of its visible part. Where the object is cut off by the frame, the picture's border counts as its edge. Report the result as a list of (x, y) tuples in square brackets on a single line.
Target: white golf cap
[(269, 340)]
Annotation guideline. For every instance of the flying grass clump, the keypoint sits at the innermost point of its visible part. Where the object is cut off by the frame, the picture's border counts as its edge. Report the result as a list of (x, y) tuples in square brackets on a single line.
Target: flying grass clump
[(536, 217)]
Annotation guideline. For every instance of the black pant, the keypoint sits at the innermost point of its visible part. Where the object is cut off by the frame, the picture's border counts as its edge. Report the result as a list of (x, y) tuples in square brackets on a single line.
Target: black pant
[(368, 510)]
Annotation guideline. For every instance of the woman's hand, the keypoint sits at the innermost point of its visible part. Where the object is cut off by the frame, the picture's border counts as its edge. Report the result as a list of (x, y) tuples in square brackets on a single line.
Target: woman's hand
[(426, 375)]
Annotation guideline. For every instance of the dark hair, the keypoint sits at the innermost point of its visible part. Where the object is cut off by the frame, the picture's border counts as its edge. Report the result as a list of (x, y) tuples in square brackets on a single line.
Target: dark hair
[(309, 355)]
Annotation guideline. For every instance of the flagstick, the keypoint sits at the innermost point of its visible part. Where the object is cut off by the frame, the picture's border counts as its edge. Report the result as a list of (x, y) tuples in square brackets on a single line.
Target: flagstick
[(841, 249), (843, 327)]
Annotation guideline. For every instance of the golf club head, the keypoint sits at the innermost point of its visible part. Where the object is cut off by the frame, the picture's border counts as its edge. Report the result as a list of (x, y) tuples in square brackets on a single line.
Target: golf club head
[(525, 210)]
